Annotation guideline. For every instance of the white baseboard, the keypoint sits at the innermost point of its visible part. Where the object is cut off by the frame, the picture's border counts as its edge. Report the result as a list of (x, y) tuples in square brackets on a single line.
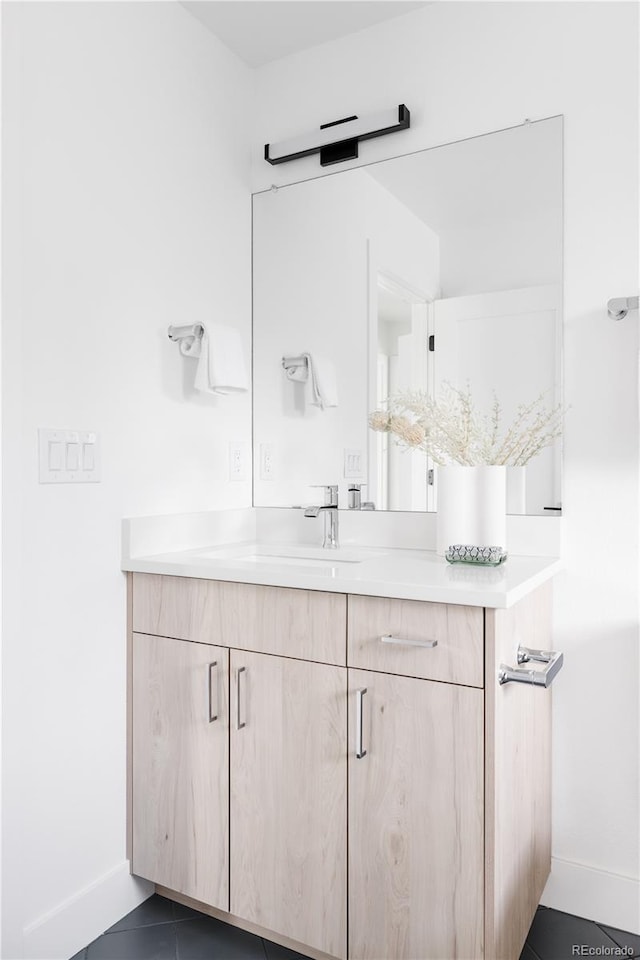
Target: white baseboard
[(71, 925), (594, 894), (574, 888)]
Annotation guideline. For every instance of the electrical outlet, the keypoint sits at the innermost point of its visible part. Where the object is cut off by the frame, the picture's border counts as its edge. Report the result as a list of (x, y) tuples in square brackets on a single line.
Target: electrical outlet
[(238, 461), (267, 461)]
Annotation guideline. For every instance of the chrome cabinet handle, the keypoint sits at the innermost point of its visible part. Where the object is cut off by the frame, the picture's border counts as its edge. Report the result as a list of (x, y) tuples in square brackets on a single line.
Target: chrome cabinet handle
[(240, 722), (360, 751), (553, 661), (408, 643), (213, 682)]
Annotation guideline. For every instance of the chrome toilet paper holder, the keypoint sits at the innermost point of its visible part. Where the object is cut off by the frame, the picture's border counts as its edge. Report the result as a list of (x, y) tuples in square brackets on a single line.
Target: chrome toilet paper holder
[(552, 659)]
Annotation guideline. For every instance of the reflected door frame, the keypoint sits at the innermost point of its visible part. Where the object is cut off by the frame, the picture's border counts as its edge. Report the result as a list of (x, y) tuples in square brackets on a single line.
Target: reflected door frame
[(422, 365)]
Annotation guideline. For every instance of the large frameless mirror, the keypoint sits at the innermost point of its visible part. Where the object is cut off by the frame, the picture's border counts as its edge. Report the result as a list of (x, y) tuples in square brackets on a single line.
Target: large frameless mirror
[(434, 271)]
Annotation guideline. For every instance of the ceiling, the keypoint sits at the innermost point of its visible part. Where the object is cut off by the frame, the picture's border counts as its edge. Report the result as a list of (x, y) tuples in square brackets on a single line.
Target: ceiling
[(260, 31)]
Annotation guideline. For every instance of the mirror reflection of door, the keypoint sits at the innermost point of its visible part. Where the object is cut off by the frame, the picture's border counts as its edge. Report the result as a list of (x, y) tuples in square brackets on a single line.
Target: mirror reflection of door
[(401, 365)]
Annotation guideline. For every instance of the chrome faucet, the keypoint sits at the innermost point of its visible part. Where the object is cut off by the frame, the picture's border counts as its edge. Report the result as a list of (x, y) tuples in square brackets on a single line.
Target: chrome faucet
[(329, 510)]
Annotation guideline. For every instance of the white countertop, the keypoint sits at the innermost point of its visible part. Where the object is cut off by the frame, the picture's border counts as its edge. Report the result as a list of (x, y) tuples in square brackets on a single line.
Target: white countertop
[(377, 571)]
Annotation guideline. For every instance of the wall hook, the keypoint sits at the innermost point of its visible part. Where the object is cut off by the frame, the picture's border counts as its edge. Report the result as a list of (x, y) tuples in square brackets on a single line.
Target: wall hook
[(194, 330)]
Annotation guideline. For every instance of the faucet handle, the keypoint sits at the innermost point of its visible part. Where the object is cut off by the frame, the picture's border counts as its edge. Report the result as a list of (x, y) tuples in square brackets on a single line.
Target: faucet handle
[(355, 498), (354, 495), (330, 493)]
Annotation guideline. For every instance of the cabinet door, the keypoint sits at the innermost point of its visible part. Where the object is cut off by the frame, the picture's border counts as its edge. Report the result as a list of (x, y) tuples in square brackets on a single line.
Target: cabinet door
[(289, 798), (416, 870), (181, 767)]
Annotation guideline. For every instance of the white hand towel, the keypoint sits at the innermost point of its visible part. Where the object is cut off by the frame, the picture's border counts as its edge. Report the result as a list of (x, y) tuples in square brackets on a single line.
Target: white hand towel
[(323, 383), (221, 366)]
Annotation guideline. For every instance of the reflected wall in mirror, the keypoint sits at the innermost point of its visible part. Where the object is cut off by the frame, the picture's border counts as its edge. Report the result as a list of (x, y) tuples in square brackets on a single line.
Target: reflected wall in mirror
[(357, 274)]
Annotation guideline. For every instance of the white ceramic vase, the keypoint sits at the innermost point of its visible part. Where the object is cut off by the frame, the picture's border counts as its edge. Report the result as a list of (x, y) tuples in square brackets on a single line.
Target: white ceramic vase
[(471, 507)]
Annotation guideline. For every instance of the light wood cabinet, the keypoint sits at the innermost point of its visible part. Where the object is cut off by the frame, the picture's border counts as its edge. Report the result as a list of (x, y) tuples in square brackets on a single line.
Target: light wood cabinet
[(181, 767), (289, 798), (416, 825), (432, 844)]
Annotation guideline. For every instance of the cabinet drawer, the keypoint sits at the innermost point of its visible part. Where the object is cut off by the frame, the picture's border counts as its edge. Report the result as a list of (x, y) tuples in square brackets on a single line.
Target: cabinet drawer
[(435, 641), (305, 624)]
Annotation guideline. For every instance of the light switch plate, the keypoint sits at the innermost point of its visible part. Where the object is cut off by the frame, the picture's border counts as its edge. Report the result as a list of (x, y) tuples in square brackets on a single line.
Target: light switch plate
[(352, 464), (68, 456)]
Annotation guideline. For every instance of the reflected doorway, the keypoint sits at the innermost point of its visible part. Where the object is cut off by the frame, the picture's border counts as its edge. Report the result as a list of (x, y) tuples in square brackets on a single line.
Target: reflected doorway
[(398, 478)]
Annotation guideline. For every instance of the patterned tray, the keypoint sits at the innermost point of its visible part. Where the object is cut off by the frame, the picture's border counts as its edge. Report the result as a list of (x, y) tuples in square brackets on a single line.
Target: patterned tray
[(482, 556)]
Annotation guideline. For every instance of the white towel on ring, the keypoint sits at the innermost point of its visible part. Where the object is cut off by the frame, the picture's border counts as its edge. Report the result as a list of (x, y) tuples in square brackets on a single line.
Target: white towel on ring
[(221, 365)]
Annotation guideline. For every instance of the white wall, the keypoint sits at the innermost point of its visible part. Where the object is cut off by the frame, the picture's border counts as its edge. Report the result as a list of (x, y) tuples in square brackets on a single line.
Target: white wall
[(465, 69), (126, 208)]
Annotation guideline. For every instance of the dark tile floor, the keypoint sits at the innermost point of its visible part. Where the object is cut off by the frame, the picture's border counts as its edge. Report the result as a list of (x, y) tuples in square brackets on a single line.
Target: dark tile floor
[(161, 930)]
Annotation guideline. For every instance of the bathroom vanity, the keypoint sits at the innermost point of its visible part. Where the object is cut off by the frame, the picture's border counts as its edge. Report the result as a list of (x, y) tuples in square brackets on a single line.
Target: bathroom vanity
[(348, 750), (328, 758)]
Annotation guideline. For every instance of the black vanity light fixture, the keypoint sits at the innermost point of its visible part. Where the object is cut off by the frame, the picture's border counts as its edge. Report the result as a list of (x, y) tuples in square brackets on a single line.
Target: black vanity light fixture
[(338, 140)]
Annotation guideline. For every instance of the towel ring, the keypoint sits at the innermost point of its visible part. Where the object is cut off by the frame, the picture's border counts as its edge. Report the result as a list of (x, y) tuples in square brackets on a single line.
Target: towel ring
[(181, 333), (291, 363)]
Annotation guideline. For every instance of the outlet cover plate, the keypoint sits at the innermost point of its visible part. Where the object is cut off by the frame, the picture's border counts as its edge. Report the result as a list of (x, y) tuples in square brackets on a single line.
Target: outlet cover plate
[(267, 461), (238, 461)]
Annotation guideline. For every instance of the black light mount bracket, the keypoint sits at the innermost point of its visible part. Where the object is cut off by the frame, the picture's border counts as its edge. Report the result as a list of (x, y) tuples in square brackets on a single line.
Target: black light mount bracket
[(338, 140), (343, 150)]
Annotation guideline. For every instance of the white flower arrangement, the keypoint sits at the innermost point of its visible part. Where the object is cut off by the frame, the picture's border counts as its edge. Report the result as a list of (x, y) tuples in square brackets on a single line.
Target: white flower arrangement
[(450, 430)]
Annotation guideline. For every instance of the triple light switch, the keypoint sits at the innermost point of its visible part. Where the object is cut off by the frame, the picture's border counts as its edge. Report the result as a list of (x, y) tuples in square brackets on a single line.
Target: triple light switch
[(68, 456)]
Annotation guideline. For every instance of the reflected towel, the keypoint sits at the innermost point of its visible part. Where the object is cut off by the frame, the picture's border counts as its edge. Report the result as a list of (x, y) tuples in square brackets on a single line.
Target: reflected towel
[(320, 377), (221, 366), (323, 383)]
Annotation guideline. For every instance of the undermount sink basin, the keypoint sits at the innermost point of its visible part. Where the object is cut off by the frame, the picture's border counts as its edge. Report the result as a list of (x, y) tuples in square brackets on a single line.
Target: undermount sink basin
[(290, 553)]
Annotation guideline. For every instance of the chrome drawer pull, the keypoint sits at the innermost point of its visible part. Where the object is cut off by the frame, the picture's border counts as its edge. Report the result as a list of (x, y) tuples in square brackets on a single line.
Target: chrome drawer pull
[(213, 681), (240, 723), (360, 751), (540, 678), (409, 643)]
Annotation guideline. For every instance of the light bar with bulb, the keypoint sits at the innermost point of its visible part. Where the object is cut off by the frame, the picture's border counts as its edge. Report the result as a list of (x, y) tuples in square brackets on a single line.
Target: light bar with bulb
[(338, 140)]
